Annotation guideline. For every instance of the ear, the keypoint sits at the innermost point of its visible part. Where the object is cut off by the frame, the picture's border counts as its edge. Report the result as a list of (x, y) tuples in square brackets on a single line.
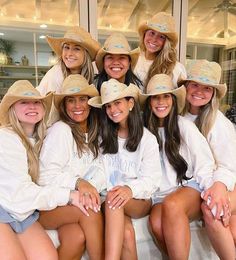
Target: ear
[(131, 104)]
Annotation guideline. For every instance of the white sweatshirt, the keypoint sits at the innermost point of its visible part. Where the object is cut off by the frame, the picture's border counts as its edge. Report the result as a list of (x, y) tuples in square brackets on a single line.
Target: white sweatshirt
[(60, 164), (52, 80), (140, 170), (143, 65), (19, 195), (222, 141), (195, 151)]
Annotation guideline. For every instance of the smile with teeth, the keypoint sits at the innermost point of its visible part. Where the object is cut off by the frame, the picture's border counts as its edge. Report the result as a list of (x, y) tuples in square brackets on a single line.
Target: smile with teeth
[(32, 114), (116, 69), (161, 108), (115, 114), (197, 97), (78, 112)]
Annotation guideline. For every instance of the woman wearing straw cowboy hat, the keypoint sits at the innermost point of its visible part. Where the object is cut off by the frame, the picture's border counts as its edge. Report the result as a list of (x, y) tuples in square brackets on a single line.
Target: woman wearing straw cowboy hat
[(70, 158), (204, 93), (158, 40), (130, 156), (76, 51), (116, 60), (22, 113), (187, 166)]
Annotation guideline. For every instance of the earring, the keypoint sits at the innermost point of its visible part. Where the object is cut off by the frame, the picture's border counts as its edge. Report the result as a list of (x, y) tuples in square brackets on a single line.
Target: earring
[(130, 109)]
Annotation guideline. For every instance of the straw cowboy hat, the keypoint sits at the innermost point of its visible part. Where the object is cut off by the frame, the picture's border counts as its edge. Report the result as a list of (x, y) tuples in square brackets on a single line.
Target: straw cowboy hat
[(76, 35), (206, 73), (161, 22), (75, 85), (112, 90), (116, 43), (21, 89), (161, 84)]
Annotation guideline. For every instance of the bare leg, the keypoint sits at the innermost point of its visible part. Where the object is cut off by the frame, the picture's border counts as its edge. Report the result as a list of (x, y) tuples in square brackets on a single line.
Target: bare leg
[(220, 236), (10, 247), (116, 233), (72, 243), (177, 209), (129, 250), (92, 226), (155, 226), (36, 243)]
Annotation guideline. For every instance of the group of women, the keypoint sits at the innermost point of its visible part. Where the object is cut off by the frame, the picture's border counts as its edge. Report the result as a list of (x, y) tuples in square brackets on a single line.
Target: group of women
[(78, 155)]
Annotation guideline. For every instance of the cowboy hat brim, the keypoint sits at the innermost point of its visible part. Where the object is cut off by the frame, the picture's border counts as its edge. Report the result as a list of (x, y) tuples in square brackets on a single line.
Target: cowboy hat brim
[(9, 100), (134, 55)]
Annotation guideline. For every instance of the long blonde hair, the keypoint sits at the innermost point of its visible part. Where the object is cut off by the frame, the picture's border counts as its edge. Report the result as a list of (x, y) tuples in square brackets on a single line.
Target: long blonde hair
[(31, 150), (86, 67), (207, 116), (164, 61)]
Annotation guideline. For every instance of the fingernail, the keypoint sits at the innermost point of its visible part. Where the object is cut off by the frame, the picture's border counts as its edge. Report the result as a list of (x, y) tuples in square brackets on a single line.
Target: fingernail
[(110, 207), (95, 209), (108, 202), (113, 208)]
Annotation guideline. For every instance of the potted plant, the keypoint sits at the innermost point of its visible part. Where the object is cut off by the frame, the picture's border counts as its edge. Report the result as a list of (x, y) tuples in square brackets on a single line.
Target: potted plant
[(7, 48)]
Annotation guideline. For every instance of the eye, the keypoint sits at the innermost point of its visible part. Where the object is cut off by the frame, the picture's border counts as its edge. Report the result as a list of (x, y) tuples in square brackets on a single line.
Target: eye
[(162, 37), (167, 96), (38, 102), (66, 47)]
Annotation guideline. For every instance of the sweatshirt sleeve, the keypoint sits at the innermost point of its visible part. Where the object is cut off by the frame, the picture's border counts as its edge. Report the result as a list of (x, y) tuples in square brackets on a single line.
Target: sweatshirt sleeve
[(222, 140), (51, 81), (95, 175), (55, 157), (202, 161), (149, 172), (19, 195)]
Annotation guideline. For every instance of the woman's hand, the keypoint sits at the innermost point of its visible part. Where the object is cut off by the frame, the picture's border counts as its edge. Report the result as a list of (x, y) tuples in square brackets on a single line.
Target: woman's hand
[(119, 196), (75, 201), (219, 198), (89, 196)]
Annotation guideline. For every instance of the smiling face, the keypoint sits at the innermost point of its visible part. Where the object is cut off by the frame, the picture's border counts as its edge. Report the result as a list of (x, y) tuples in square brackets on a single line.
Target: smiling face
[(161, 106), (118, 110), (154, 42), (198, 95), (116, 66), (29, 113), (77, 109), (73, 56)]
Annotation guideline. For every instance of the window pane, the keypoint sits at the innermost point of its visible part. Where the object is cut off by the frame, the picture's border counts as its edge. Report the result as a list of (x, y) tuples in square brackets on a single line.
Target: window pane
[(211, 35), (125, 16), (24, 24)]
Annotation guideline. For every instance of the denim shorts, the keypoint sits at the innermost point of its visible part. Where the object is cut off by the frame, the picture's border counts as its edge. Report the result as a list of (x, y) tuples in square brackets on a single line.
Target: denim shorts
[(18, 226), (158, 197)]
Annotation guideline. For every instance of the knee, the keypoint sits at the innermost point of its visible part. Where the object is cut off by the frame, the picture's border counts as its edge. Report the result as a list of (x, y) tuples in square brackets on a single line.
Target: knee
[(155, 226), (171, 207), (76, 241), (207, 215), (129, 236)]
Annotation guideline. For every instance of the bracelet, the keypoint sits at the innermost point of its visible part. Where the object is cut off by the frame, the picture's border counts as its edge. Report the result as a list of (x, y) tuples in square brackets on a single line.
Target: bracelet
[(77, 183)]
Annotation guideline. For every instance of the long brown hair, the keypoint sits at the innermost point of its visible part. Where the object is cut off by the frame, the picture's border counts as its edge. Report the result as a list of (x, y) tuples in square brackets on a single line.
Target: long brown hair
[(172, 137), (78, 134)]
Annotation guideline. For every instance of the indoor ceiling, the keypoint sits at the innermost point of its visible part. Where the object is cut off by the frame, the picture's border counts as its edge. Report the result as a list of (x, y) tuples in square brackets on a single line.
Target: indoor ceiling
[(208, 19)]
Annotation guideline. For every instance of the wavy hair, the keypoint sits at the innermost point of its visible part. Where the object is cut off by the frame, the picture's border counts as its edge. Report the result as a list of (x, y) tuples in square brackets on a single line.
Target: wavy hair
[(164, 61), (31, 150), (110, 130), (86, 67), (207, 116), (78, 134), (172, 137)]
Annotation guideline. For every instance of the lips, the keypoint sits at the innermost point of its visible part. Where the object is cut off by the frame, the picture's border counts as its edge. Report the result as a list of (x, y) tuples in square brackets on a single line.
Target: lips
[(78, 112)]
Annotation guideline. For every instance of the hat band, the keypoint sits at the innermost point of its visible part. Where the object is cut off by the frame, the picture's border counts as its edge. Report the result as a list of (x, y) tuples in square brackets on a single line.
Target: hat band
[(29, 94), (203, 79), (73, 37), (159, 27)]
